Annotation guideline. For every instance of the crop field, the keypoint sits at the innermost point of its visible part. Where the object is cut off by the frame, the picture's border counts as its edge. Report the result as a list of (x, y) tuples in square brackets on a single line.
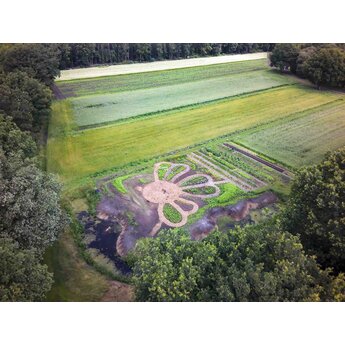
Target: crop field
[(303, 140), (78, 154), (128, 82), (98, 109), (94, 72)]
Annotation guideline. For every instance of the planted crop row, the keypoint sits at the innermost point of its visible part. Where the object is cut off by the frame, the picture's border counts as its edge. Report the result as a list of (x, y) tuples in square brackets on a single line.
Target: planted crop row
[(171, 213), (235, 160), (162, 171), (221, 164), (174, 171), (195, 180), (203, 190)]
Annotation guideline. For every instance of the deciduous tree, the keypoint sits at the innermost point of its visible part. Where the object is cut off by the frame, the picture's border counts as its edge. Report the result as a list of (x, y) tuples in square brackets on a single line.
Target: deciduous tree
[(284, 56), (22, 276), (254, 263), (316, 210), (326, 66)]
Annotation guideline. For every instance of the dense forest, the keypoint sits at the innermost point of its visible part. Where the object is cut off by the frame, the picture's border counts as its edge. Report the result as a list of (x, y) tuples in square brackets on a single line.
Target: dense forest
[(31, 215), (83, 55)]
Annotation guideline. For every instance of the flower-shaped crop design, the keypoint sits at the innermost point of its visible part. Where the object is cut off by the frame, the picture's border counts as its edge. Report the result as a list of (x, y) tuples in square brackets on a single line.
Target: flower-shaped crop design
[(172, 189)]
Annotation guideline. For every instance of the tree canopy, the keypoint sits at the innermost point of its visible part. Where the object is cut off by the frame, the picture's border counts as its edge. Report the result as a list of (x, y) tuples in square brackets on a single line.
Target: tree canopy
[(86, 54), (325, 66), (39, 61), (25, 99), (316, 210), (30, 211), (284, 56), (322, 64), (22, 276), (254, 263)]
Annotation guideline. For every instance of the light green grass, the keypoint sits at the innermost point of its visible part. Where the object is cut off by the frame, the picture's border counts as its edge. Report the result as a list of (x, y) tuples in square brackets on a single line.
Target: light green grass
[(228, 192), (118, 183), (101, 149), (146, 80), (99, 109), (301, 141)]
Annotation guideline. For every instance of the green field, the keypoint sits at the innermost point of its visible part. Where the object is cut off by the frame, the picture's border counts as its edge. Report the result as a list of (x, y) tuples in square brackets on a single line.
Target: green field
[(77, 155), (98, 109), (128, 82), (301, 141)]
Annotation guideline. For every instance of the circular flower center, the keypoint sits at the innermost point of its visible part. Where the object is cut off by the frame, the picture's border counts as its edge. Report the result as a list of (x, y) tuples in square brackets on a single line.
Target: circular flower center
[(161, 192)]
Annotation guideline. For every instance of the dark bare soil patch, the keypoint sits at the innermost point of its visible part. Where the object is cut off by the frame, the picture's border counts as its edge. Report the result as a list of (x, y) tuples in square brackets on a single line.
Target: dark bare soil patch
[(237, 213)]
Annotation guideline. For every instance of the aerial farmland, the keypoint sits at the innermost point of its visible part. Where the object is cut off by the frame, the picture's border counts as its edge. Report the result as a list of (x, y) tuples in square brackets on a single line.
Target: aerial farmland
[(201, 147)]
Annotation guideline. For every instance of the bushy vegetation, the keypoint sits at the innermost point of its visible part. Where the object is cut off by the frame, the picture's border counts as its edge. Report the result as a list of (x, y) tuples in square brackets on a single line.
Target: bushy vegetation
[(229, 194), (254, 263)]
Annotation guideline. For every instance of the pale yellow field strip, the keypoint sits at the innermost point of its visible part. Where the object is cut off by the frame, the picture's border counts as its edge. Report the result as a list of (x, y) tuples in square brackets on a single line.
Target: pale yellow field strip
[(102, 71)]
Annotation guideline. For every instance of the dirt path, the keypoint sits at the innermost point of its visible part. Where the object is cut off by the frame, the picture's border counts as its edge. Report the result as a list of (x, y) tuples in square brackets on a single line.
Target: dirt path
[(101, 71)]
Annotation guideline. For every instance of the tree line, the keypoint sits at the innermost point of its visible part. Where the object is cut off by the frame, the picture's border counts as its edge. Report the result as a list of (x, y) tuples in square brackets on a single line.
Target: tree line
[(322, 64), (87, 54), (31, 216)]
